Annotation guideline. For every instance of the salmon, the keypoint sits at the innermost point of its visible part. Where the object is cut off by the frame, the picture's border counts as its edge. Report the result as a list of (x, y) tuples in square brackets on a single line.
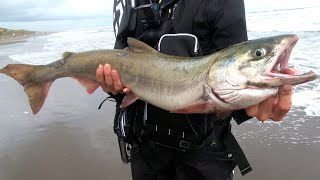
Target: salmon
[(234, 78)]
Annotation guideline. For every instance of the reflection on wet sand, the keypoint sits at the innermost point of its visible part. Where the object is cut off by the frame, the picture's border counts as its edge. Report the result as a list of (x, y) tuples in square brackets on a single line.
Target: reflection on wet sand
[(61, 153), (64, 143)]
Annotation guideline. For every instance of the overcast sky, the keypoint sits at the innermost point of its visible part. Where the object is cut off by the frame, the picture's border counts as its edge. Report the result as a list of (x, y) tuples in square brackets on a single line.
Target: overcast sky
[(32, 10)]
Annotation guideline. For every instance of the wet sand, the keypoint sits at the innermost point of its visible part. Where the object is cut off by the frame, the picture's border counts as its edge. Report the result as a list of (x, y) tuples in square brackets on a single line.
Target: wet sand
[(71, 139), (280, 152)]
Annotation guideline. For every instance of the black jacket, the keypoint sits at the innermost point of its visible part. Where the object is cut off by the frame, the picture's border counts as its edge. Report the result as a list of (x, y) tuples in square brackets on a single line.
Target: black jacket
[(216, 23)]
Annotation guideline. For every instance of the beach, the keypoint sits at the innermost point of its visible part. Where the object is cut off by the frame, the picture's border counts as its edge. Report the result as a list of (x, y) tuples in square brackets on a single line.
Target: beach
[(71, 139)]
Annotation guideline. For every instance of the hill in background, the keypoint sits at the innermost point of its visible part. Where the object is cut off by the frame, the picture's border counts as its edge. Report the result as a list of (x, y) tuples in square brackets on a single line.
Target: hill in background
[(6, 33), (9, 36)]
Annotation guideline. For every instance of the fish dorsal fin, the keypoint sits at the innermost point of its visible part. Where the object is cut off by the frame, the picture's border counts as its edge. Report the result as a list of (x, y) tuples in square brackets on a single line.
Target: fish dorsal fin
[(135, 45), (66, 54)]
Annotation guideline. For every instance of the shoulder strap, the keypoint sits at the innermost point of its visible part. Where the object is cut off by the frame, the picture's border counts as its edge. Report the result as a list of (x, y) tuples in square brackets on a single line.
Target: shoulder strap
[(167, 4), (234, 148)]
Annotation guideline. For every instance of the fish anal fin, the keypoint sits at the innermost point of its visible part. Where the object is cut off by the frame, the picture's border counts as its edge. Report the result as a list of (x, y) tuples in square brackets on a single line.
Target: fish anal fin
[(135, 45), (128, 100), (201, 107), (90, 85), (37, 94), (223, 114)]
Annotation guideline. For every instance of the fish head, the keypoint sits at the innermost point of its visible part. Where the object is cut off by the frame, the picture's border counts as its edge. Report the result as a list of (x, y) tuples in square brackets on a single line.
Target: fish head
[(266, 61), (249, 72)]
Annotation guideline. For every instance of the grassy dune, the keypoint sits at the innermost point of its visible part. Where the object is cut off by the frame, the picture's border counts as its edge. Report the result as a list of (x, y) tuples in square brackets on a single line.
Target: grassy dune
[(9, 36), (13, 33)]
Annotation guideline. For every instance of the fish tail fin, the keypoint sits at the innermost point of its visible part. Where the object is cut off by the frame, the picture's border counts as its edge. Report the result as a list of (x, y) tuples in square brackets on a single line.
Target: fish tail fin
[(36, 91)]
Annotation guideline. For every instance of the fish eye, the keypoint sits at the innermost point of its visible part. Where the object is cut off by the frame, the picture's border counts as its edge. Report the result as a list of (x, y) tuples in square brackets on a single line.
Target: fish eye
[(259, 53)]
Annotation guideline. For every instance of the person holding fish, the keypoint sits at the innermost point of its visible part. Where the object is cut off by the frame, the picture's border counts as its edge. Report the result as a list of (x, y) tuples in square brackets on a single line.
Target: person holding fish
[(167, 145), (182, 130), (204, 74), (185, 71)]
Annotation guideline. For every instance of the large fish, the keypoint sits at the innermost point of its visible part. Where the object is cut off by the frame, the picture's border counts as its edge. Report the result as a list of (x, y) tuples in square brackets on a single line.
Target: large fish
[(233, 78)]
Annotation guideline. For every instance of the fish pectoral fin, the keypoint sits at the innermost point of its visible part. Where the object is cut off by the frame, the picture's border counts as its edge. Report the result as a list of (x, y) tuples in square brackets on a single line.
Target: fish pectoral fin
[(128, 100), (135, 45), (90, 85), (223, 115), (202, 107)]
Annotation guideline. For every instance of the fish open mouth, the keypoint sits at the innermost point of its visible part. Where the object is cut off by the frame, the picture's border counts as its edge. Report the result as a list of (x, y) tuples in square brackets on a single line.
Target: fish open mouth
[(278, 68)]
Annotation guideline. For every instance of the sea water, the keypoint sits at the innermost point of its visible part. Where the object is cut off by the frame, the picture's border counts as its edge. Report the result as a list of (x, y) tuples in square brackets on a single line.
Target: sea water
[(305, 22)]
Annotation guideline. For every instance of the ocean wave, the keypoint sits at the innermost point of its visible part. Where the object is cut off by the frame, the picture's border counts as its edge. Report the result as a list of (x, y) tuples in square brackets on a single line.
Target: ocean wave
[(36, 58), (308, 96), (312, 111), (279, 27), (296, 19), (285, 9), (46, 49)]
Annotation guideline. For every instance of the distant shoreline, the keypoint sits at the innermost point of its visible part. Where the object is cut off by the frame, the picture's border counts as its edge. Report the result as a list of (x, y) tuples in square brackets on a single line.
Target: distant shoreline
[(17, 36)]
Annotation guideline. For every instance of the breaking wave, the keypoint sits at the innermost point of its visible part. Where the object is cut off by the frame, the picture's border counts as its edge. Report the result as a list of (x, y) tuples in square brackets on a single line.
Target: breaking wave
[(297, 20), (46, 49)]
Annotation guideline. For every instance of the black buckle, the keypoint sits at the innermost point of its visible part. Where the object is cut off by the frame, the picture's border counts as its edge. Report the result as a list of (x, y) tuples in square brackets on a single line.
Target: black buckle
[(149, 15), (184, 144)]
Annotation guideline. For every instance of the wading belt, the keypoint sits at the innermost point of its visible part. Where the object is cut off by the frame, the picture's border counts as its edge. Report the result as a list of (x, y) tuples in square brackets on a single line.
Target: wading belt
[(183, 142)]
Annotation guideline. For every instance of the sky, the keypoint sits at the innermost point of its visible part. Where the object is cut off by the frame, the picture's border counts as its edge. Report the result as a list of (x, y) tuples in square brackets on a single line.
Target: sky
[(35, 10), (32, 10)]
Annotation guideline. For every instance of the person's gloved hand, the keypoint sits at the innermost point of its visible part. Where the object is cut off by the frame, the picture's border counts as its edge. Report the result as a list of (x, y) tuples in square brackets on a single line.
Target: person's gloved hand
[(274, 108)]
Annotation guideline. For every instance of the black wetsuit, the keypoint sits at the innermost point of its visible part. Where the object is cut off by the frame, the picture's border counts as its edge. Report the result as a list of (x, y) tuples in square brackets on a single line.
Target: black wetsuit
[(176, 146)]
